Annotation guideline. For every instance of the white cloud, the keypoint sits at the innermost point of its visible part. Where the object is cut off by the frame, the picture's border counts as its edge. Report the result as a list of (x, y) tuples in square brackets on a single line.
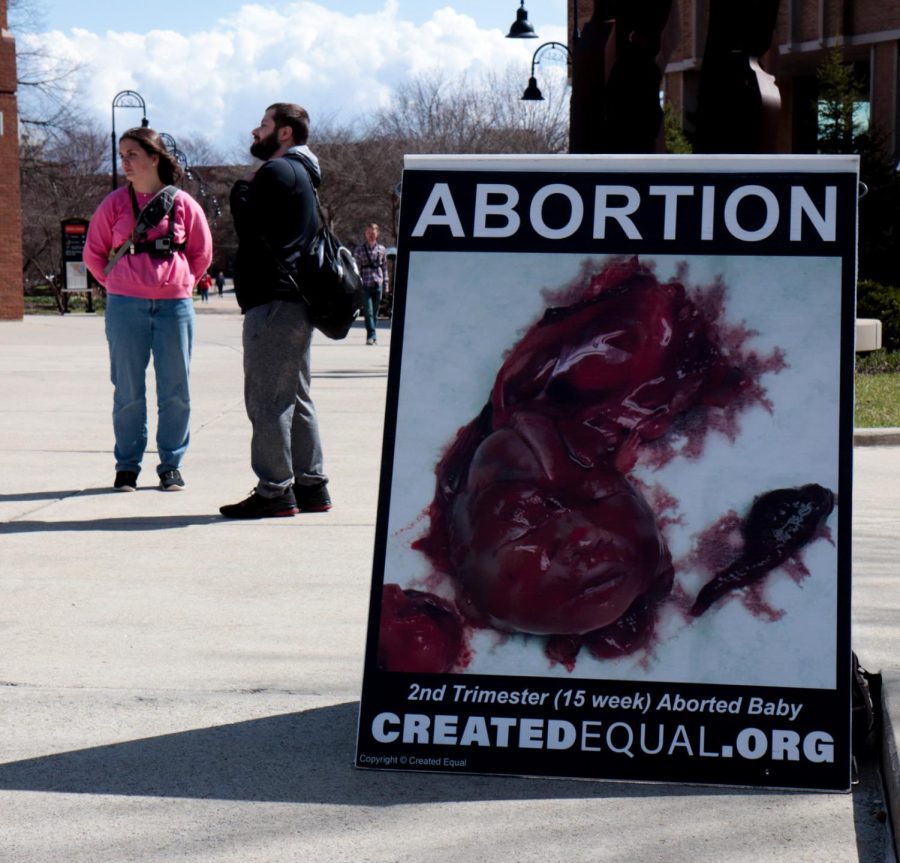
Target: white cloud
[(218, 82)]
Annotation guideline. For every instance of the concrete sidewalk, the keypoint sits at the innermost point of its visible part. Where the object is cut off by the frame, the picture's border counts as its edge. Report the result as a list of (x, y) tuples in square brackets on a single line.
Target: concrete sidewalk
[(177, 687)]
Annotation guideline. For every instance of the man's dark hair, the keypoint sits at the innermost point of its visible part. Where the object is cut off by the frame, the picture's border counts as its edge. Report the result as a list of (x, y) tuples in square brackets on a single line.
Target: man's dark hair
[(288, 114)]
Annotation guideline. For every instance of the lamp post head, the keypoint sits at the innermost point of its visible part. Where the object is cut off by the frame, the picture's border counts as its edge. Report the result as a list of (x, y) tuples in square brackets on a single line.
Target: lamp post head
[(521, 28), (532, 92), (145, 123)]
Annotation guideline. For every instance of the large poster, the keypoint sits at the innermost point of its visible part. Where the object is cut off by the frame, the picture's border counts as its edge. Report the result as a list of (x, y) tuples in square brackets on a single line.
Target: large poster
[(613, 535)]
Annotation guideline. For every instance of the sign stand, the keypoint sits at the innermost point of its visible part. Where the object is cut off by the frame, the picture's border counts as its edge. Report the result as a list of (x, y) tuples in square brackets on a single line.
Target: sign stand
[(76, 277), (614, 523)]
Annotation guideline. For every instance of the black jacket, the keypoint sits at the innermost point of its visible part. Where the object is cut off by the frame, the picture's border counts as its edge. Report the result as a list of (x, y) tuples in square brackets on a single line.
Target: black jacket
[(274, 216)]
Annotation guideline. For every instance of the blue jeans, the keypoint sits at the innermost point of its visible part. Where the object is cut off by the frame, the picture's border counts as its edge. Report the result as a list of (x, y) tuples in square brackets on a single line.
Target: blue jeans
[(371, 302), (135, 329), (285, 446)]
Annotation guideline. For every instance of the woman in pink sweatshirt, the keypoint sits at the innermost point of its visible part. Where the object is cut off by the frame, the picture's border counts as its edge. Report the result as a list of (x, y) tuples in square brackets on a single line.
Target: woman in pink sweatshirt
[(149, 306)]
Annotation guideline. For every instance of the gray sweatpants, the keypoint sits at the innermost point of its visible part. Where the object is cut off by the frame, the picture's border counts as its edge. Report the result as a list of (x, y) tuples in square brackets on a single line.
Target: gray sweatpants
[(285, 446)]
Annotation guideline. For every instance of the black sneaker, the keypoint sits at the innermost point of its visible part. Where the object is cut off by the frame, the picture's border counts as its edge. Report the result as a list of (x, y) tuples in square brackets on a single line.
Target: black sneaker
[(312, 498), (126, 480), (171, 480), (257, 506)]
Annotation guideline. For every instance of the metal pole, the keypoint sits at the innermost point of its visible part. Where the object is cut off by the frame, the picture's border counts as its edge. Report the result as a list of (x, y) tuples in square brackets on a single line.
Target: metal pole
[(573, 102), (129, 99), (115, 178)]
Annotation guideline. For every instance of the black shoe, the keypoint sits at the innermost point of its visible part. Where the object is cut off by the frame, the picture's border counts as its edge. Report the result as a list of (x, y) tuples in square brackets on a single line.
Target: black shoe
[(171, 480), (257, 506), (126, 480), (312, 498)]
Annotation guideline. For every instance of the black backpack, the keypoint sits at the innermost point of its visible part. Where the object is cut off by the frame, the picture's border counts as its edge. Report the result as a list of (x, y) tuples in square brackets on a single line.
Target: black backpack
[(327, 278), (329, 282)]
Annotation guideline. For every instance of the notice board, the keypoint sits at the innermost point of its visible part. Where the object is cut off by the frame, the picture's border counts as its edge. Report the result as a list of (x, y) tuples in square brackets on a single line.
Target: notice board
[(613, 533), (74, 235)]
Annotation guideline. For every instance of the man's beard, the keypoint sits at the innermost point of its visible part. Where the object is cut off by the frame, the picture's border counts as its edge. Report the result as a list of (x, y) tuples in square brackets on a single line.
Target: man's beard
[(265, 147)]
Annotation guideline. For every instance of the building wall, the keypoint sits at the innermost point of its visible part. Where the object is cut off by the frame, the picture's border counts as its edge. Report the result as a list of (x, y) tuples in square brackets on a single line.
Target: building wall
[(867, 30), (12, 303), (884, 92)]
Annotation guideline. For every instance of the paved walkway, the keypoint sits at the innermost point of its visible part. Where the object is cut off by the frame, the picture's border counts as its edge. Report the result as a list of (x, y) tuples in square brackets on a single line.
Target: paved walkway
[(176, 687)]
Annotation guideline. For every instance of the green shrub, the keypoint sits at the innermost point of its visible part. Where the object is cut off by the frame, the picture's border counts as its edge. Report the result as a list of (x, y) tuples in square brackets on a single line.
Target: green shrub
[(676, 140), (878, 362), (882, 302)]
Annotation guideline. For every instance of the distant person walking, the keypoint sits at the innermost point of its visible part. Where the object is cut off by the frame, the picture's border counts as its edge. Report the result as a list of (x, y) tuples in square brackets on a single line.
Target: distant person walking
[(220, 283), (203, 286), (371, 258), (149, 279), (274, 212)]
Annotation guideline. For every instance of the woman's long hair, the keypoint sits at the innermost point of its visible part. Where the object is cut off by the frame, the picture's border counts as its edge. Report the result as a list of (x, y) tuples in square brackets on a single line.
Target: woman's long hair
[(151, 143)]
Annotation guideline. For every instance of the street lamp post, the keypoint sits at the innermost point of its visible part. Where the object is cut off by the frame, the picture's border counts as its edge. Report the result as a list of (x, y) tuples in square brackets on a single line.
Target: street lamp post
[(532, 91), (204, 193), (125, 99), (172, 147), (521, 28), (614, 104), (191, 173)]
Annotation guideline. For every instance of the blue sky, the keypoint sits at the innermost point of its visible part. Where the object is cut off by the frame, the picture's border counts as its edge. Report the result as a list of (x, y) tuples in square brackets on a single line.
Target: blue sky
[(195, 15), (209, 67)]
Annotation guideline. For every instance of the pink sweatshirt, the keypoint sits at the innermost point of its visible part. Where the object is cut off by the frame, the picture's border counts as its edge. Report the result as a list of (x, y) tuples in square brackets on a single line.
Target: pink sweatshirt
[(170, 278)]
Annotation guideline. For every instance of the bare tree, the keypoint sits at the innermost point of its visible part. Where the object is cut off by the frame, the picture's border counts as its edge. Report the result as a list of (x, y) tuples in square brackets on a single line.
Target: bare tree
[(360, 175), (63, 177), (432, 114), (204, 179), (65, 170), (486, 115), (60, 158), (45, 98), (200, 150)]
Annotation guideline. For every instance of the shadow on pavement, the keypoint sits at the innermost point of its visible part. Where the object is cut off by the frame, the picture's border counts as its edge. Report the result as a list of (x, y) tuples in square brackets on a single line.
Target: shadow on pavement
[(293, 758), (55, 495), (155, 522)]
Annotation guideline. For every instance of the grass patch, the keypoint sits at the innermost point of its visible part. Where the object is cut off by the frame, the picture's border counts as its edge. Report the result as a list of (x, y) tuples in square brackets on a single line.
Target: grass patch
[(877, 382), (40, 305), (44, 303), (877, 400)]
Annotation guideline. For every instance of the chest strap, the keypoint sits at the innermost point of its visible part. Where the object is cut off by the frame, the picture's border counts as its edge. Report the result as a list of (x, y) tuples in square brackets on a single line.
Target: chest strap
[(161, 247)]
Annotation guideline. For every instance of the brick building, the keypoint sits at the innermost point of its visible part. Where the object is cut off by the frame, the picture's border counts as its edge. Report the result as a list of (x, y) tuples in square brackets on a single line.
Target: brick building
[(11, 294), (868, 31)]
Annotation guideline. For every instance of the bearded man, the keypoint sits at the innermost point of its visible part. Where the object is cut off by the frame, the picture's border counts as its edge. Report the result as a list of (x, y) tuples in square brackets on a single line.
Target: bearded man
[(274, 211)]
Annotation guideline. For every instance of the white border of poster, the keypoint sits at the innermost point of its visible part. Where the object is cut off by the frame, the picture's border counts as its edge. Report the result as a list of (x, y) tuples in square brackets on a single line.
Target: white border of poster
[(752, 688)]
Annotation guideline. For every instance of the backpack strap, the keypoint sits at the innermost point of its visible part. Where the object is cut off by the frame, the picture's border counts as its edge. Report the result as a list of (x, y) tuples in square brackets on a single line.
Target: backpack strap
[(153, 212), (312, 185)]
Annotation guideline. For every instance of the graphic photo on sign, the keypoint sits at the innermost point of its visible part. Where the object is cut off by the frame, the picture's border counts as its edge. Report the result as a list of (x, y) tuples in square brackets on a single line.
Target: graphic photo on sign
[(664, 382)]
